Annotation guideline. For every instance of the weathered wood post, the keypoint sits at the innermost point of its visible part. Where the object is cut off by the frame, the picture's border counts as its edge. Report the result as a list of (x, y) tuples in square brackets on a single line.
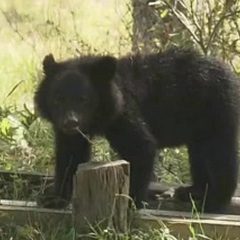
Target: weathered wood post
[(100, 195)]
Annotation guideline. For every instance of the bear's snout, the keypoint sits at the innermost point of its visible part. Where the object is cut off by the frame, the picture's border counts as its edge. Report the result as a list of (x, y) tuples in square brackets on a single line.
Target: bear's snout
[(70, 124)]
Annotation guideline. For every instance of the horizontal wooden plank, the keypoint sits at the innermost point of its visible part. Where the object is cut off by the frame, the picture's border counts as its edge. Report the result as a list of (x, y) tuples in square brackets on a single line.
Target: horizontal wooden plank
[(169, 203), (188, 215), (172, 205), (179, 223), (34, 177), (155, 188), (21, 213), (159, 188), (182, 224)]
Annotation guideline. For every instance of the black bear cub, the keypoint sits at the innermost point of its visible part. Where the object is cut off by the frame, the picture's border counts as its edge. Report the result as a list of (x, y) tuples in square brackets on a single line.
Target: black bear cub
[(142, 103)]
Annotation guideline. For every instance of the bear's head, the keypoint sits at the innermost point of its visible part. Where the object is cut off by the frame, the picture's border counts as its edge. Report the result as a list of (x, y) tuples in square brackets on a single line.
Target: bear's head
[(78, 94)]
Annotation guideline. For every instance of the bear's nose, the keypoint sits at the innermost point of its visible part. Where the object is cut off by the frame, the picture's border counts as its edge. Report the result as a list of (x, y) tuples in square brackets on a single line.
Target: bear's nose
[(70, 123)]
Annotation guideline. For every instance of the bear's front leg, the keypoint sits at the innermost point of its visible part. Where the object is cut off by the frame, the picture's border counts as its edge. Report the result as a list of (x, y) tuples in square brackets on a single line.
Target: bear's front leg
[(133, 141), (70, 150)]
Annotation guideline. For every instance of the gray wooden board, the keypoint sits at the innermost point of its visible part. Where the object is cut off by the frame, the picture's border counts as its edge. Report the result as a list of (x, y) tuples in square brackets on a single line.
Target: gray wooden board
[(156, 187), (22, 213), (171, 204), (34, 177), (182, 224), (178, 223)]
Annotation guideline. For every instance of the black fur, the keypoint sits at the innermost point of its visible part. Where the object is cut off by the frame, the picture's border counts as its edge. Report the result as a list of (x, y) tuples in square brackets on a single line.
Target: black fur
[(142, 103)]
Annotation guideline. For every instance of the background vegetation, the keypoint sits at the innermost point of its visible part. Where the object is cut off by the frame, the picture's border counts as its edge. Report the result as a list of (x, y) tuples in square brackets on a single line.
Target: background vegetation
[(31, 29)]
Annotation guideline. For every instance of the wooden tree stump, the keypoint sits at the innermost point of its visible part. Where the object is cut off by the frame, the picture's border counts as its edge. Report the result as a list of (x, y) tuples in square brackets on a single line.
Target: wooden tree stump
[(100, 195)]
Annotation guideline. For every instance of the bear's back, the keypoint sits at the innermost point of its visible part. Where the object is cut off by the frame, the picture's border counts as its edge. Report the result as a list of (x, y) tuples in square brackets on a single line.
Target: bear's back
[(180, 93)]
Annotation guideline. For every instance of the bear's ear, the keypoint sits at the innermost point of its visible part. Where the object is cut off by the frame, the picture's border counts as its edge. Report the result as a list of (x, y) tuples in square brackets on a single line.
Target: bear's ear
[(49, 64), (104, 68)]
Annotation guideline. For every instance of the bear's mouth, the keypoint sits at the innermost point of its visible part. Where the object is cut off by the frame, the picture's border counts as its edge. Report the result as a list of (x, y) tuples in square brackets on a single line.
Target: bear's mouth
[(74, 131), (70, 131)]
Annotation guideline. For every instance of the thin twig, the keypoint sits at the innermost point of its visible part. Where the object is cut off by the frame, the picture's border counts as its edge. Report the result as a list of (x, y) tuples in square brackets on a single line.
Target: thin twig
[(15, 29), (84, 135), (217, 26), (178, 14)]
